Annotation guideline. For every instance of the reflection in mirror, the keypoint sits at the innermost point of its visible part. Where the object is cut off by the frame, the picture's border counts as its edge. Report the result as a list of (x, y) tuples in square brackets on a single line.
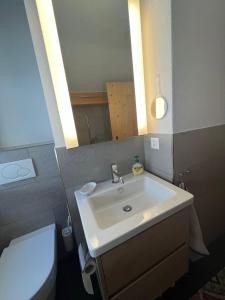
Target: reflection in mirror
[(159, 108), (96, 48)]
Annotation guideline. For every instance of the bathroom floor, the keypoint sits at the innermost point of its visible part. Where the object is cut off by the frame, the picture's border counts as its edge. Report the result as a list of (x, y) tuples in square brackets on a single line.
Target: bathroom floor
[(70, 287)]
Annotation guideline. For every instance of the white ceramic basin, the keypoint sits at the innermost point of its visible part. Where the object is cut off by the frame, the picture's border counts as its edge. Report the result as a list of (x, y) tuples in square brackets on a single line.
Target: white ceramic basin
[(116, 212), (109, 207)]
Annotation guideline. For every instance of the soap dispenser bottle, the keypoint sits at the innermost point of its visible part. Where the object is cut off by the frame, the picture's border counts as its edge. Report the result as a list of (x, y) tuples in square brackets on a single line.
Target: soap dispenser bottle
[(137, 168)]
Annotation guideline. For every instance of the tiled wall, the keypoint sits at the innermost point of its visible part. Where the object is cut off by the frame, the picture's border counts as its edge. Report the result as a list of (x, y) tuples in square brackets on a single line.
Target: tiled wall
[(33, 203), (92, 162), (203, 153)]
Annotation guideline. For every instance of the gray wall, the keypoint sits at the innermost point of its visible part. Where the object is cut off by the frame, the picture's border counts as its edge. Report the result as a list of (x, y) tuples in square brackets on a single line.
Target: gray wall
[(198, 63), (21, 97), (33, 203), (202, 152), (95, 42), (198, 102), (159, 162)]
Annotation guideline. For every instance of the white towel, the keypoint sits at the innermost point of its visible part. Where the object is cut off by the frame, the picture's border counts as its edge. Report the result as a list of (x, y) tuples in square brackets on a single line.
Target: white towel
[(196, 241)]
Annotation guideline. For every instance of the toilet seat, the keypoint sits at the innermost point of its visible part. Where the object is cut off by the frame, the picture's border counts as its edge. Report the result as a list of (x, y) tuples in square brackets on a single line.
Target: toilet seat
[(27, 266)]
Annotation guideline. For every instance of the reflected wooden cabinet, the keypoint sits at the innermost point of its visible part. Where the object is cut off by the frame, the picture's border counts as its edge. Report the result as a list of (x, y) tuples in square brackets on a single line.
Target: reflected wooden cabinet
[(122, 109), (104, 116), (146, 265)]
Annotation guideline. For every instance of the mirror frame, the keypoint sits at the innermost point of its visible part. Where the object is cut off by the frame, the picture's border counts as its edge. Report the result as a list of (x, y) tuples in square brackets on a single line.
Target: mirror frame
[(45, 28)]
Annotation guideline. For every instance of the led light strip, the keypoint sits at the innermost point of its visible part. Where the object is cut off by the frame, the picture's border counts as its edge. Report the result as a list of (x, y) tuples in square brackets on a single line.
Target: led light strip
[(138, 65), (53, 50)]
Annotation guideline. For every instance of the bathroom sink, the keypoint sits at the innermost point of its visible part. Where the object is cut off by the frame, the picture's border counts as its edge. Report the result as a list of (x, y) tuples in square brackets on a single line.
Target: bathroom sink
[(123, 201), (116, 212)]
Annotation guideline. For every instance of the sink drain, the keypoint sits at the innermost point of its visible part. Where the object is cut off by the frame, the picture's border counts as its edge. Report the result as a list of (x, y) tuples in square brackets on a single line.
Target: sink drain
[(127, 208)]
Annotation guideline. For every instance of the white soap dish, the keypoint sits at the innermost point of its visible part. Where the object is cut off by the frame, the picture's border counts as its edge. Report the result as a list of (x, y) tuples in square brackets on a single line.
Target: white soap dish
[(88, 188)]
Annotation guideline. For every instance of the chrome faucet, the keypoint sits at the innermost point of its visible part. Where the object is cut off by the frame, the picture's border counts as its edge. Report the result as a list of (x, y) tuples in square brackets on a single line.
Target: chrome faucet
[(116, 176)]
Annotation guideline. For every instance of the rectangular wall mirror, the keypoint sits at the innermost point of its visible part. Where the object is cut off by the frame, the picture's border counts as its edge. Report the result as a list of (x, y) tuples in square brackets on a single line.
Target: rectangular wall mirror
[(95, 42)]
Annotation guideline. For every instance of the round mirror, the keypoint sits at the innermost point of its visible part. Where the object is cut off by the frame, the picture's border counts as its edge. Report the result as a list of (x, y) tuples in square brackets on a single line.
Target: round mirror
[(159, 108)]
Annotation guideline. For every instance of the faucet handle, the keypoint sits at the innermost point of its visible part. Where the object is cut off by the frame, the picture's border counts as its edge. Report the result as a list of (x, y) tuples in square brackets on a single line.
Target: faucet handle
[(114, 171), (114, 167)]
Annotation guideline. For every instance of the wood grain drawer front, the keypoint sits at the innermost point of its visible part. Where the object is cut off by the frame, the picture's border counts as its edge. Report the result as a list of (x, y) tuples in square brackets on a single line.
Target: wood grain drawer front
[(156, 281), (126, 262)]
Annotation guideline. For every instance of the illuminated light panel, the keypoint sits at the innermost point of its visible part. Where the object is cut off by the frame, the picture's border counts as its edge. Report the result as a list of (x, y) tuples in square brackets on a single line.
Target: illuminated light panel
[(53, 50), (138, 66)]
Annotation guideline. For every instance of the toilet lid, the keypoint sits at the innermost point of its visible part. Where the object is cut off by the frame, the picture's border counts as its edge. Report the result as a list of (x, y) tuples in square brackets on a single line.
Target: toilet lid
[(26, 265)]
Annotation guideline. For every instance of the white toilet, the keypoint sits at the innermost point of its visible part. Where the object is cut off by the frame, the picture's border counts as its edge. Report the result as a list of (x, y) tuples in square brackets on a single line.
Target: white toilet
[(28, 266)]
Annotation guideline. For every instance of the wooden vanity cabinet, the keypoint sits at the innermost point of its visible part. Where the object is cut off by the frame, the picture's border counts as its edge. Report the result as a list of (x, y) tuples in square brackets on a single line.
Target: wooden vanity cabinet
[(146, 265)]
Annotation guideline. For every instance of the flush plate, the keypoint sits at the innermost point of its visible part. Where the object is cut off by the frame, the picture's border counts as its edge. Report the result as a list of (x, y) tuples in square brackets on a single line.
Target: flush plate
[(16, 170)]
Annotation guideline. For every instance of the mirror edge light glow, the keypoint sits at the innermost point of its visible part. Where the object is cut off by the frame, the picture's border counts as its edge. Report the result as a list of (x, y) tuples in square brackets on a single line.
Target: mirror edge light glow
[(138, 64), (56, 66)]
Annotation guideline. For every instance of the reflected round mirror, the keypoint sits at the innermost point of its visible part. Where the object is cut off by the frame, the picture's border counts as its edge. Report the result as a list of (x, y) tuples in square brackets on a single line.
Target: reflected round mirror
[(159, 108)]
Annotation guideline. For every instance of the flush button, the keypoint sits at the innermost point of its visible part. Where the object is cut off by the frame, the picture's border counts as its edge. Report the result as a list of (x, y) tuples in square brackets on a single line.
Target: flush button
[(16, 170)]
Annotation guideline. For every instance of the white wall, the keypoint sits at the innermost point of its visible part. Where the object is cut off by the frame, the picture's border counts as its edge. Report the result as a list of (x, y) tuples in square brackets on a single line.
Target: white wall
[(23, 114), (157, 45), (95, 42), (198, 63)]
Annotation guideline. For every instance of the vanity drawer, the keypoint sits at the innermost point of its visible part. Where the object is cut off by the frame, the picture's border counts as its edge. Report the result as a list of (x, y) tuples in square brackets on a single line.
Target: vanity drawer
[(126, 262), (156, 281)]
